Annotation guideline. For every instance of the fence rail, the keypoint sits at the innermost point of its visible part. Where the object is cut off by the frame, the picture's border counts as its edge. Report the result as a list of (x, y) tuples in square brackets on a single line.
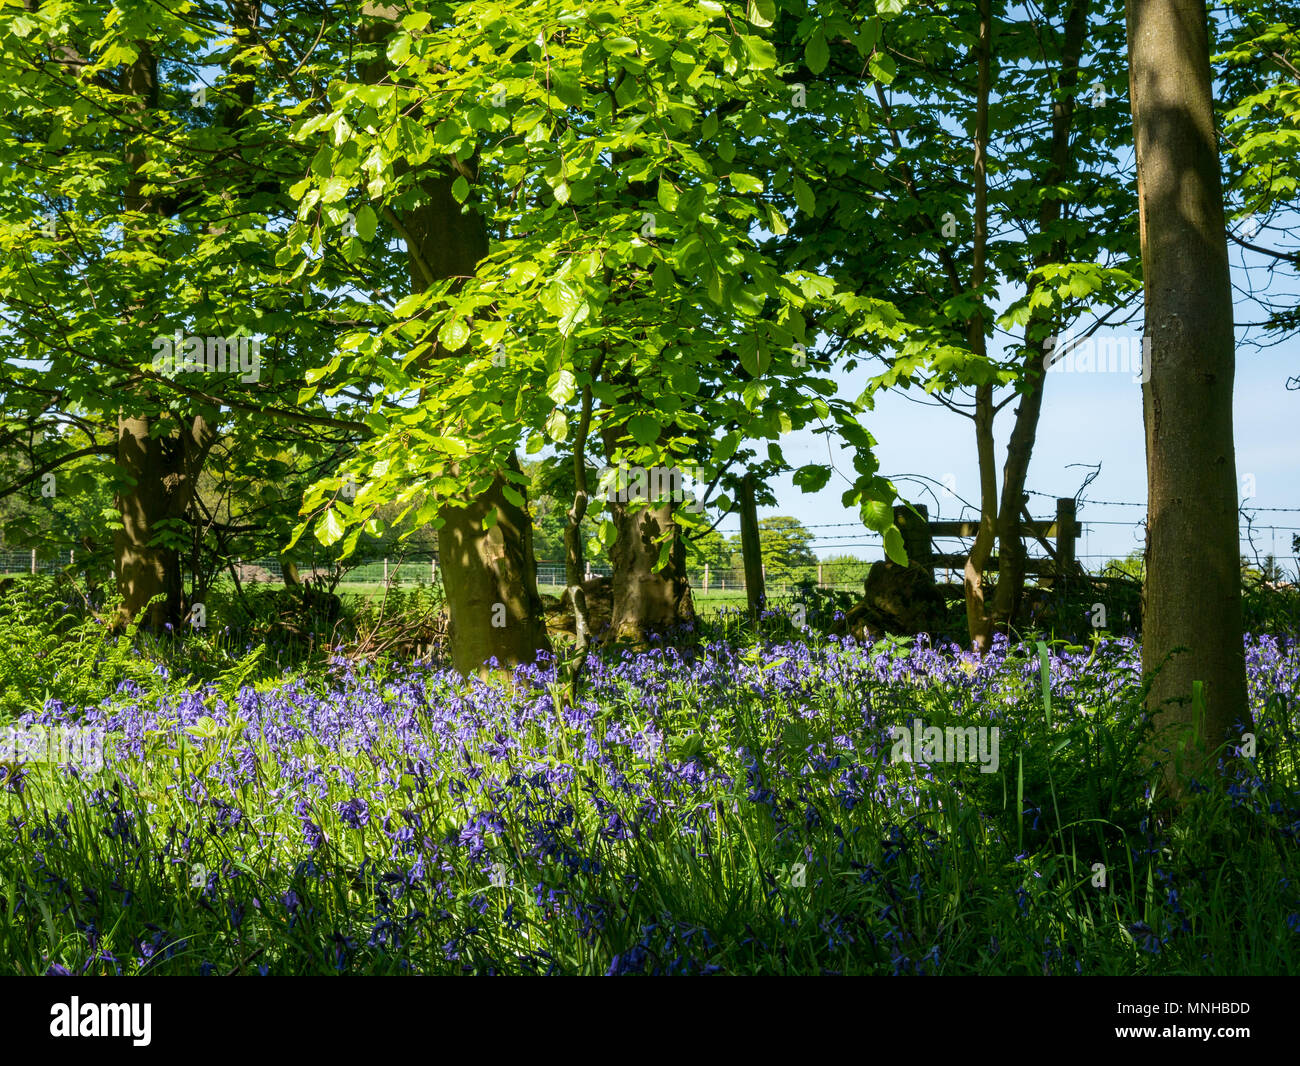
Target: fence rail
[(919, 535)]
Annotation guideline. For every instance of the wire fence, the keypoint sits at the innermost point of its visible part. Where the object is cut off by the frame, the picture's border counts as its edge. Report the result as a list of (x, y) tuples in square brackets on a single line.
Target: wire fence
[(725, 581), (32, 562), (396, 572), (848, 575)]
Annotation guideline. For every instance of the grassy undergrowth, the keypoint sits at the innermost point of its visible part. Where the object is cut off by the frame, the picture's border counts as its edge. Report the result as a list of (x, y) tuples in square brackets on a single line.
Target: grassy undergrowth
[(739, 811)]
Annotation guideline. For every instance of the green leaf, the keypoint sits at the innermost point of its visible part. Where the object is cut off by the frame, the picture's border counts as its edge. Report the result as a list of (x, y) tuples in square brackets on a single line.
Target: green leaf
[(454, 334), (761, 53), (644, 429), (318, 373), (408, 304), (399, 48), (334, 190), (745, 182), (894, 546), (376, 96), (715, 287), (882, 67), (619, 46), (812, 478), (878, 515), (762, 12), (803, 196), (557, 425), (560, 298), (572, 317), (366, 222), (330, 529), (562, 386), (726, 447), (754, 356), (460, 189), (817, 53)]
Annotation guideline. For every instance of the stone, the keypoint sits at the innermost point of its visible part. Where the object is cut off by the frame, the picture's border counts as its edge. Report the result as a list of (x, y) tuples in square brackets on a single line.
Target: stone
[(902, 600), (599, 592)]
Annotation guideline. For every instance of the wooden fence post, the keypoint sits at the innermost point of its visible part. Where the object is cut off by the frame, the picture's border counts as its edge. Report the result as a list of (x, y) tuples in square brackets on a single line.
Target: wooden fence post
[(1065, 527), (751, 549), (916, 534)]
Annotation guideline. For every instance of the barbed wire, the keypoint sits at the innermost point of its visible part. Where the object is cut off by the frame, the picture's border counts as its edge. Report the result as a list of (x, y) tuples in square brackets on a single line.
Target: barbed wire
[(1127, 503)]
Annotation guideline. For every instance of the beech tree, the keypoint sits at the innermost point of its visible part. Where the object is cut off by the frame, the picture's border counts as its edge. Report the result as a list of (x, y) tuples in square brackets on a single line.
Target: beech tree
[(139, 233), (622, 292), (489, 572), (991, 137), (1192, 622)]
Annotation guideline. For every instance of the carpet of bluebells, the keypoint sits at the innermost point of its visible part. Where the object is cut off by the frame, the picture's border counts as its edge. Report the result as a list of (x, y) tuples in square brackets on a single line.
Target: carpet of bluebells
[(734, 810)]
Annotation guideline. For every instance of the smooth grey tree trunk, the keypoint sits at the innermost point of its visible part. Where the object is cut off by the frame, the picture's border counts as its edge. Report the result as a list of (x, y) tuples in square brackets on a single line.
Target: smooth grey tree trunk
[(1193, 587)]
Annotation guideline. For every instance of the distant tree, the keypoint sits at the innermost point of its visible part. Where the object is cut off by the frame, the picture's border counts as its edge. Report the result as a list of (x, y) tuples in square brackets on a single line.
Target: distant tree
[(786, 552), (1266, 571), (714, 549), (550, 495), (1258, 107), (844, 569), (1133, 564)]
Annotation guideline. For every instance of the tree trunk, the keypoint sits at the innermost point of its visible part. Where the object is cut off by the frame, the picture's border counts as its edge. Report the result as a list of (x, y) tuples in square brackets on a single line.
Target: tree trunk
[(490, 574), (1011, 543), (1193, 588), (490, 578), (161, 472), (648, 602), (145, 569), (1024, 432), (574, 577), (163, 475), (574, 556), (978, 623), (751, 549)]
